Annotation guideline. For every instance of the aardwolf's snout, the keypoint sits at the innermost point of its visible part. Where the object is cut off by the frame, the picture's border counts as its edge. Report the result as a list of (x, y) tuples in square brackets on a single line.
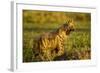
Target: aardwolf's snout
[(72, 25), (72, 28)]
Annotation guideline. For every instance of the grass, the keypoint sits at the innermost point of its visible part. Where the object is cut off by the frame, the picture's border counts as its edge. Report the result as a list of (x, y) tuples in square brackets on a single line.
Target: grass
[(78, 44)]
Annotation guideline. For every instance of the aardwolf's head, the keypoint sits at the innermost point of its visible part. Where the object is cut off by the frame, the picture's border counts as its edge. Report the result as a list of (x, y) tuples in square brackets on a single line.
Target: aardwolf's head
[(69, 26)]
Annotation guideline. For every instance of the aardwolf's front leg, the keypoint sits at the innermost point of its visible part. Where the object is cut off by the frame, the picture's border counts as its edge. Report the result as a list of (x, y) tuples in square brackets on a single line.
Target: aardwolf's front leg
[(60, 49)]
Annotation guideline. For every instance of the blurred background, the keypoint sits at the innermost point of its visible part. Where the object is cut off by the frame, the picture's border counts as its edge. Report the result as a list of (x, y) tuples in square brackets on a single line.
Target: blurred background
[(78, 44)]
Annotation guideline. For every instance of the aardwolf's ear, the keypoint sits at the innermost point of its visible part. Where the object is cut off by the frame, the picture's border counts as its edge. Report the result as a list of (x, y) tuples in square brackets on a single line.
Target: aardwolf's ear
[(69, 21)]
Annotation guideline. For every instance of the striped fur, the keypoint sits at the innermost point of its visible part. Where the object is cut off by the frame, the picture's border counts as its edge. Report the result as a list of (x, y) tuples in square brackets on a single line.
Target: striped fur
[(50, 45)]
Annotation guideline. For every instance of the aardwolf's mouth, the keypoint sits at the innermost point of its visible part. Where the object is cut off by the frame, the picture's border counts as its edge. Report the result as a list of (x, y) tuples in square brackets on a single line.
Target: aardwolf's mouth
[(72, 29), (68, 31)]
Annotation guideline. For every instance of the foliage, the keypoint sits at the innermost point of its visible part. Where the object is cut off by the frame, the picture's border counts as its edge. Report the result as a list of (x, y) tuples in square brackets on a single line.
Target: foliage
[(77, 45)]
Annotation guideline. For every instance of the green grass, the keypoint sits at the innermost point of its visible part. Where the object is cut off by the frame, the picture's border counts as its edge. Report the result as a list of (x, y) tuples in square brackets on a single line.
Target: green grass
[(78, 44)]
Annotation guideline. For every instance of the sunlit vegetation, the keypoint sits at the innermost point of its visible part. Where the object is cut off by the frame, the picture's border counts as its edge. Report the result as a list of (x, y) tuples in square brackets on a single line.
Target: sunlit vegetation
[(78, 44)]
